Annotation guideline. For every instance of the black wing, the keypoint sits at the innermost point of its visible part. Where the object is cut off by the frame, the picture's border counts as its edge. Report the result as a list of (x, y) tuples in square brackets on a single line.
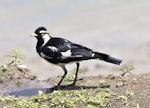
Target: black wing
[(51, 52), (55, 50), (78, 50), (59, 50), (78, 53), (60, 43)]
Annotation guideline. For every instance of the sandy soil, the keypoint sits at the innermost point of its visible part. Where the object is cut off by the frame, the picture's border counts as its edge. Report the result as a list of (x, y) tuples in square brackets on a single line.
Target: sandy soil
[(23, 84)]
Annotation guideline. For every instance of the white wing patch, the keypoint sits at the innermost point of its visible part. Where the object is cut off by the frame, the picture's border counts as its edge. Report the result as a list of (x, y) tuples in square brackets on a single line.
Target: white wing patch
[(66, 54), (78, 55), (54, 49), (93, 54), (45, 56)]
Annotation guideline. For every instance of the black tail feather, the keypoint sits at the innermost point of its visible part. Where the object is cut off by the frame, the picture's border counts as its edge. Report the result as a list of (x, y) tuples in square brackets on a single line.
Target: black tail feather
[(107, 58)]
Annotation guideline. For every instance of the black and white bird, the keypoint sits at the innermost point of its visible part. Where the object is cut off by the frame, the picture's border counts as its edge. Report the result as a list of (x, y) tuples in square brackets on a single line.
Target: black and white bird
[(60, 52)]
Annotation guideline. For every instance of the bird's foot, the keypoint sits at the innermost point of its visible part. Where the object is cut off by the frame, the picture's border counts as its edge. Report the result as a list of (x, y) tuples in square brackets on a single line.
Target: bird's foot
[(57, 87)]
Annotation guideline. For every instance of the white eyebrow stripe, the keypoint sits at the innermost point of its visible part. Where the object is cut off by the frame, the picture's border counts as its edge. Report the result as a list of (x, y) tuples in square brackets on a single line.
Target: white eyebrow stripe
[(42, 31)]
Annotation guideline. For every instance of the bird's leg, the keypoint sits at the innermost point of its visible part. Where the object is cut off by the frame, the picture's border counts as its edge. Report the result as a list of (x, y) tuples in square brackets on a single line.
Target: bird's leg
[(65, 73), (75, 79)]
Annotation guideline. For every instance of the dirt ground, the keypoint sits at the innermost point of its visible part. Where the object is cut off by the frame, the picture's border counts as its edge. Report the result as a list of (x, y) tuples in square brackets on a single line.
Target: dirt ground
[(138, 84)]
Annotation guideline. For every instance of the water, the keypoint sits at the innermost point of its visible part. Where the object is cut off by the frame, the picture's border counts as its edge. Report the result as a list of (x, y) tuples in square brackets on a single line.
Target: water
[(112, 26)]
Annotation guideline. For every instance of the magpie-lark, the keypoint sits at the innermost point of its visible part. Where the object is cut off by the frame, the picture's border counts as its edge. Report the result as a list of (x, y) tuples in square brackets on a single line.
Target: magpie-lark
[(60, 51)]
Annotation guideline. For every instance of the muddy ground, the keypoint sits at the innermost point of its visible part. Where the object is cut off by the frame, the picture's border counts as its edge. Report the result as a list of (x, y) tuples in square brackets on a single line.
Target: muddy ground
[(21, 83)]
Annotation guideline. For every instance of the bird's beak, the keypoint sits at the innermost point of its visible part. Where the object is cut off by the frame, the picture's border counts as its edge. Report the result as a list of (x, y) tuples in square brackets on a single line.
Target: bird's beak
[(33, 34)]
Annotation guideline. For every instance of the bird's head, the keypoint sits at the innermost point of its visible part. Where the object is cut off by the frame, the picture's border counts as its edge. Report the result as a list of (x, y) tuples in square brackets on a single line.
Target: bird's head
[(41, 33)]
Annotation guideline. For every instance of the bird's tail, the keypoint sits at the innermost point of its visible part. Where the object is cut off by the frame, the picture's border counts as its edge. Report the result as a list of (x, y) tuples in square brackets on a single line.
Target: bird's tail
[(107, 58)]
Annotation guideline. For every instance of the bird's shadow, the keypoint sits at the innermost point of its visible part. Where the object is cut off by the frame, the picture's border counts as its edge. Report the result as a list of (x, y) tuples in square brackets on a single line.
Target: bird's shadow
[(26, 92), (34, 91), (68, 87)]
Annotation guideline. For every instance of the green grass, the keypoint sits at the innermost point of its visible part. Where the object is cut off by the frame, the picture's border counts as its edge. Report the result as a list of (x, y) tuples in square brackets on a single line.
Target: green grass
[(87, 98), (126, 70), (125, 97), (61, 98), (71, 98), (12, 102), (13, 59)]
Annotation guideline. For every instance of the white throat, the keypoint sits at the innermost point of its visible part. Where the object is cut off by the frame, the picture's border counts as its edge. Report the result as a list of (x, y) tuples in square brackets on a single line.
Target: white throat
[(46, 38)]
